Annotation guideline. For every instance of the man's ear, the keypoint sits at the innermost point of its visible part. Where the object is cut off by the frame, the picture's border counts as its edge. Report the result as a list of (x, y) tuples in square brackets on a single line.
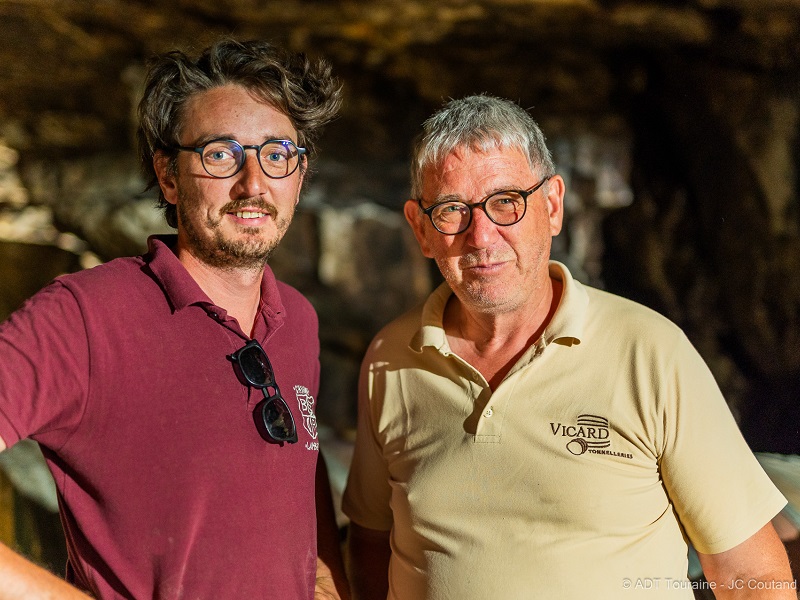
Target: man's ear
[(555, 203), (166, 177), (302, 168), (415, 218)]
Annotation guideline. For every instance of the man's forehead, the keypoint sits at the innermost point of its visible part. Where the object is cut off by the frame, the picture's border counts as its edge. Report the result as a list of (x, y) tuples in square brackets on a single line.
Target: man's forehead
[(229, 110), (466, 169)]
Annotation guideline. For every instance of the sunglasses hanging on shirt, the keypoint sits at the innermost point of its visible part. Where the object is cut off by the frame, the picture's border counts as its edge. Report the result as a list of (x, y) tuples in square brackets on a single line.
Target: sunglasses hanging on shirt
[(272, 416)]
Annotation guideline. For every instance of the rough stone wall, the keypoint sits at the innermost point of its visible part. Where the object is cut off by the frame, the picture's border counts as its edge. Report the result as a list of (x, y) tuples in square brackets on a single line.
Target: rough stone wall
[(674, 123)]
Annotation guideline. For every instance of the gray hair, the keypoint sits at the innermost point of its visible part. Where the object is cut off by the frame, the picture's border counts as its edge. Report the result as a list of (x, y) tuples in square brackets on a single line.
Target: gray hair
[(479, 122)]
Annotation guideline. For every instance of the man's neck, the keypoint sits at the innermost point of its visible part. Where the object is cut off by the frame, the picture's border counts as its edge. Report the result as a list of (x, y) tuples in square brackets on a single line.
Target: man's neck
[(238, 291), (494, 342)]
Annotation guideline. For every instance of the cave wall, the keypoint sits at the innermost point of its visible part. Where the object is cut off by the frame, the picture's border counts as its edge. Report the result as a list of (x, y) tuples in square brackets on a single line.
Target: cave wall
[(674, 123)]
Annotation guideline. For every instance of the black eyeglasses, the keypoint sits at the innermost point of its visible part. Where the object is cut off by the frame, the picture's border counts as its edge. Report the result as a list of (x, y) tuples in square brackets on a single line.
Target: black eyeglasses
[(503, 208), (273, 418), (225, 158)]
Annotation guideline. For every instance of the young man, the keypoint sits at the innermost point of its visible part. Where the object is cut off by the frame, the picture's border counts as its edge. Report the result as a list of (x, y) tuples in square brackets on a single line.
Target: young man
[(524, 436), (173, 394)]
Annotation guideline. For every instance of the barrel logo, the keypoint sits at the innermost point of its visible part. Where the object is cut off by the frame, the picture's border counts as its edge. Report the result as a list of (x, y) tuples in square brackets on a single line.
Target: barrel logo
[(590, 433)]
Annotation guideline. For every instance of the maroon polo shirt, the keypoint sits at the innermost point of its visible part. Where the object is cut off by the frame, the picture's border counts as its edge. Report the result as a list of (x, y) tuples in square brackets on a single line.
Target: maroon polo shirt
[(166, 489)]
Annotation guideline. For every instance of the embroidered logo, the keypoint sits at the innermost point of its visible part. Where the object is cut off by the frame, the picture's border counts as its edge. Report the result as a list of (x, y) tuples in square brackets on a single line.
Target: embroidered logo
[(305, 401), (591, 433)]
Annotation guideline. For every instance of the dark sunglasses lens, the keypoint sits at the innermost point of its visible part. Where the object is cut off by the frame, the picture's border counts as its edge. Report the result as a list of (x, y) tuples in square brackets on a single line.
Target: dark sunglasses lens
[(274, 418), (253, 363)]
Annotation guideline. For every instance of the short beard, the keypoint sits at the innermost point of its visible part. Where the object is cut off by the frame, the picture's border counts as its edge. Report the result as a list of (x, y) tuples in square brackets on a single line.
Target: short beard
[(251, 253)]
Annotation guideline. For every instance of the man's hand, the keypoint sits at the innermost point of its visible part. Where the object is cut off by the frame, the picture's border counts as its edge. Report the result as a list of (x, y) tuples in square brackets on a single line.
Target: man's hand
[(325, 587)]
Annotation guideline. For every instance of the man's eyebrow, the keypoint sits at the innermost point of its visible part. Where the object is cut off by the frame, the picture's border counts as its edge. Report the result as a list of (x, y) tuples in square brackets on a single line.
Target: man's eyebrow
[(204, 139), (212, 137), (454, 197), (448, 198)]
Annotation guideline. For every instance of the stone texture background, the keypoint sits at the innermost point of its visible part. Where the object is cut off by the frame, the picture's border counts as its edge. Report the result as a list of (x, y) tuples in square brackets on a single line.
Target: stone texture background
[(675, 124)]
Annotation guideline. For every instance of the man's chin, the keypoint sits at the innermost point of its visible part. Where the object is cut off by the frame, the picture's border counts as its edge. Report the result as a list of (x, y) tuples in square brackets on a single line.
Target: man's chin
[(247, 255), (483, 299), (235, 254)]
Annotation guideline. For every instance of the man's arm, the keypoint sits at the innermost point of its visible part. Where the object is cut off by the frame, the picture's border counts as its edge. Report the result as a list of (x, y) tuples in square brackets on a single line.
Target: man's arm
[(23, 580), (756, 568), (368, 554), (331, 579)]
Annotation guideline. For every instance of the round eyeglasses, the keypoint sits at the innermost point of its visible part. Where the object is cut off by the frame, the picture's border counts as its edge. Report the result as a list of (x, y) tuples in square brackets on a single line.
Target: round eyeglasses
[(225, 158), (273, 418), (503, 208)]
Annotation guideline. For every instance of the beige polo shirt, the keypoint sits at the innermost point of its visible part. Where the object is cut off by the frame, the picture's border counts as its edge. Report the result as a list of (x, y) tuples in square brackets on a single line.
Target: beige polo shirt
[(577, 478)]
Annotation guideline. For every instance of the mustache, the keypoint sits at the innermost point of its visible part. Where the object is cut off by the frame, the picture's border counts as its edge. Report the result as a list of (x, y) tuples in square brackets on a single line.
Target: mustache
[(482, 257), (257, 203)]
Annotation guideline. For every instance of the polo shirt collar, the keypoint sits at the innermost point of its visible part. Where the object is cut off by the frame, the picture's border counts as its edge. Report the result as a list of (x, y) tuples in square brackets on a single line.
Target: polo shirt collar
[(179, 287), (182, 290), (569, 320), (566, 326), (432, 331)]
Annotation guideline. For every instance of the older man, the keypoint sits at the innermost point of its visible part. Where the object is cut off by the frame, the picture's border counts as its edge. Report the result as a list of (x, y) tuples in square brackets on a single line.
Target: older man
[(173, 394), (522, 435)]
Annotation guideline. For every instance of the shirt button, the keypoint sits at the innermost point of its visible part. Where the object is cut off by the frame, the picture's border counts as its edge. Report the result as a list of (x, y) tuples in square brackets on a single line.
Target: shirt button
[(489, 412)]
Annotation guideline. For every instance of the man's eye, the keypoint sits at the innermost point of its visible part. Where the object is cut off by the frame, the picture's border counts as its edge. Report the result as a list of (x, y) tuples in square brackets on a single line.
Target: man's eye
[(276, 157), (218, 154), (505, 202)]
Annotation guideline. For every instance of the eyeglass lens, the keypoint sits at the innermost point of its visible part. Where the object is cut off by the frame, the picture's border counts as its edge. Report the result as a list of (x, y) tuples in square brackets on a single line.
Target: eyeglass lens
[(223, 158), (254, 368), (272, 416), (276, 419), (504, 208)]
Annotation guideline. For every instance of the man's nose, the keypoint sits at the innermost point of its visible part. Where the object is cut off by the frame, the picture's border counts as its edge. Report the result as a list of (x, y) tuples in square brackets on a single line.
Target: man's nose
[(251, 179), (482, 231)]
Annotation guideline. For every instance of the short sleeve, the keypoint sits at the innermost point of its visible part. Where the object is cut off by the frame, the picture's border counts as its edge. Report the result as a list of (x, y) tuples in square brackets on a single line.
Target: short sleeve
[(44, 369), (367, 496), (719, 490)]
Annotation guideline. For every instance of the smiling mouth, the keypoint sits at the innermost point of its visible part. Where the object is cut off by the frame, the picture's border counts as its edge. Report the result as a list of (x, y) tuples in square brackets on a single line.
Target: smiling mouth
[(249, 214), (251, 209)]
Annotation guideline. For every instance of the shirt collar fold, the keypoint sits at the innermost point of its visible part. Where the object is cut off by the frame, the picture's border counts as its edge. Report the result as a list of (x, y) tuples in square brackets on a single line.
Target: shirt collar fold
[(182, 290)]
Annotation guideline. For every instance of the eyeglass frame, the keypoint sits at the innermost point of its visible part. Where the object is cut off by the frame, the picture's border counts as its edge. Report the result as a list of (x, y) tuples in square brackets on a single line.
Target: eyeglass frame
[(524, 193), (258, 411), (301, 152)]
